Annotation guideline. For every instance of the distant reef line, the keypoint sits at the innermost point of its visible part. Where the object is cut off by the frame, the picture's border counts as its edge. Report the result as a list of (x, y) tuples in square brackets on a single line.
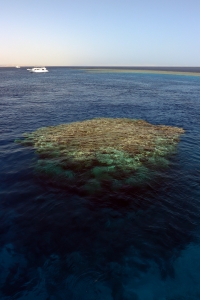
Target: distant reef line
[(141, 71)]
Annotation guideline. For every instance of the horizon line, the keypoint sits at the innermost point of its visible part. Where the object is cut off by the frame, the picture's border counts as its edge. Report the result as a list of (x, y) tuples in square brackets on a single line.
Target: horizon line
[(99, 66)]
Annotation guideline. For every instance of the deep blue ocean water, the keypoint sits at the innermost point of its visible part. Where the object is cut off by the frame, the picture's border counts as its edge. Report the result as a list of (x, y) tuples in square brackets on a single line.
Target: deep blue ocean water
[(58, 245)]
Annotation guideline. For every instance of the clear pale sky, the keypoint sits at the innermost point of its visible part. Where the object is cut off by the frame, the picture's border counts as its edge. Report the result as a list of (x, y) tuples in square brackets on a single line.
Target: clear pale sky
[(100, 32)]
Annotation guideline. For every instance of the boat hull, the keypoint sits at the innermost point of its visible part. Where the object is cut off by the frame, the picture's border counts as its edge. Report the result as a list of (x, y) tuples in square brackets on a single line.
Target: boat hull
[(38, 70)]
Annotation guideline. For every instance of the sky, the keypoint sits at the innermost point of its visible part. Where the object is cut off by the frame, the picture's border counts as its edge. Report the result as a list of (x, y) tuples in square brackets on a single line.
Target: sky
[(100, 32)]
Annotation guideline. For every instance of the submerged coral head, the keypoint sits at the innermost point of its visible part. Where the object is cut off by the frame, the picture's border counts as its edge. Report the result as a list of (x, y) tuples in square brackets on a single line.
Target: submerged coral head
[(96, 152)]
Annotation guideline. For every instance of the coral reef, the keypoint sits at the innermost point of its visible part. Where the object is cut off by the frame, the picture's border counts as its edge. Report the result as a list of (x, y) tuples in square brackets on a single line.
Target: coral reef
[(103, 152)]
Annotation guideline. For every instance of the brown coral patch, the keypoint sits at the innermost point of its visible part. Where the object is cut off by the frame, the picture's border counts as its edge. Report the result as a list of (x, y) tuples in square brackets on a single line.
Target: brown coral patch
[(112, 146)]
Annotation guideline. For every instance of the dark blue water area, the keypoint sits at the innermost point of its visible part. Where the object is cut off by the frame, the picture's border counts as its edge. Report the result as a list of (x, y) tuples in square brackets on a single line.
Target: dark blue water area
[(56, 244)]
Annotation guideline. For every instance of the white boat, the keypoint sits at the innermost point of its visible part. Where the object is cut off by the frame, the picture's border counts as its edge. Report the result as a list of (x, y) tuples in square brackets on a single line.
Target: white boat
[(38, 70), (18, 67)]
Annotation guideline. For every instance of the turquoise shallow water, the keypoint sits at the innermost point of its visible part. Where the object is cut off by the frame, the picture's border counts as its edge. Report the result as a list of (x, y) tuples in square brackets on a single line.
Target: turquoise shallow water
[(55, 244)]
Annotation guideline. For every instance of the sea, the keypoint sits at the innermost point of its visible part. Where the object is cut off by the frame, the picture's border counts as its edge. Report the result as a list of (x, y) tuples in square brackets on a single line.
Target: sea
[(56, 244)]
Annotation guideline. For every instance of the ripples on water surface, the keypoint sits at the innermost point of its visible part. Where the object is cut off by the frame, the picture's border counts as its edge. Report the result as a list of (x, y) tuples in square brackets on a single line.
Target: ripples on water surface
[(58, 245)]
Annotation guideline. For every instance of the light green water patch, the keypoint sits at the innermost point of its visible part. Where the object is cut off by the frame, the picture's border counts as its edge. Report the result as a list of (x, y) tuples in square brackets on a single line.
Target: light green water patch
[(103, 153), (107, 70)]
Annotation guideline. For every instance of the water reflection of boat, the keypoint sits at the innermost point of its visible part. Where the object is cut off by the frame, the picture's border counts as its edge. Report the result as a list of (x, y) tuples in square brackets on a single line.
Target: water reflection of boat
[(38, 70)]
